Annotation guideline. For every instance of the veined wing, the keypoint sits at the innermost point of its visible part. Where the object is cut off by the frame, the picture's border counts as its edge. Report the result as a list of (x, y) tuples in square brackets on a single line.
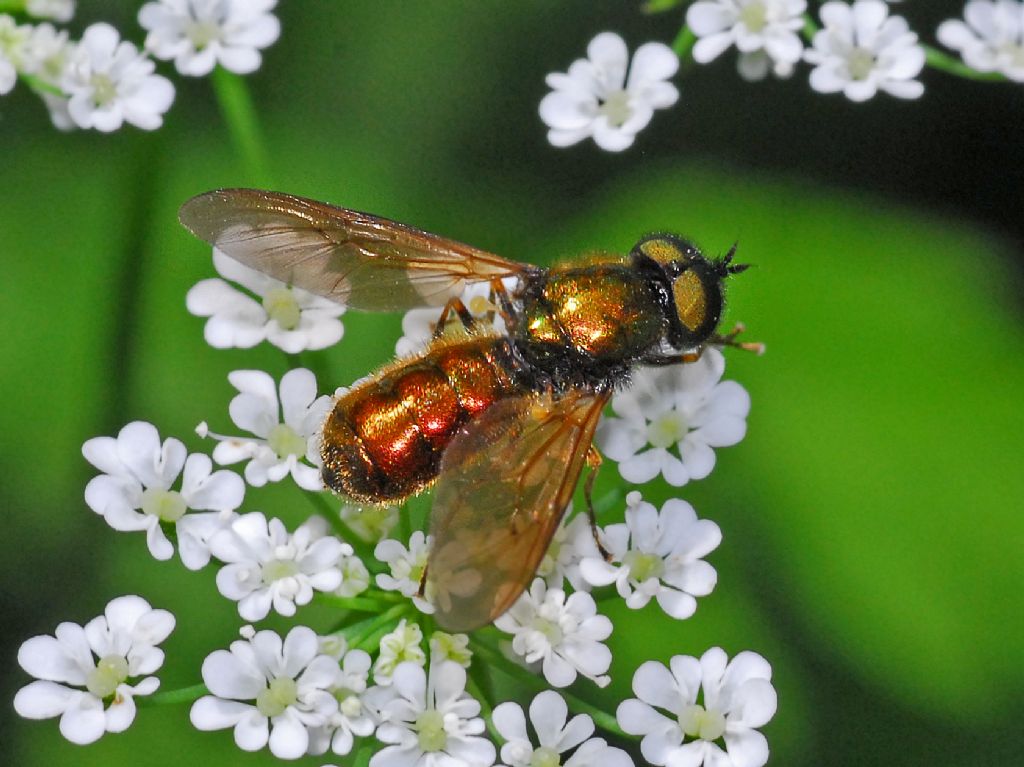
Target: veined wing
[(363, 261), (504, 484)]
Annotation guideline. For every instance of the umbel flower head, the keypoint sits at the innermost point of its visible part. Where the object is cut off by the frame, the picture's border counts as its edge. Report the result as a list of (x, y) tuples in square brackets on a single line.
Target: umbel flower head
[(990, 38), (88, 676), (595, 99)]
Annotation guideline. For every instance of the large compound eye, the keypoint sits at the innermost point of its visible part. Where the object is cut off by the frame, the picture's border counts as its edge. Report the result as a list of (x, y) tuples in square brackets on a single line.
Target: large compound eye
[(691, 299), (662, 250)]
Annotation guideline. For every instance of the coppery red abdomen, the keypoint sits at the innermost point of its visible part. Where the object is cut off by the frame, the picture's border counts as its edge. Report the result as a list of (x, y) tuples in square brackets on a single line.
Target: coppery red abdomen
[(384, 440)]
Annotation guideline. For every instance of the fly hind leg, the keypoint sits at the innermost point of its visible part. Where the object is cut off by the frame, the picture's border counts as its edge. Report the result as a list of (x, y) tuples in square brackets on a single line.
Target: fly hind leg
[(456, 307), (594, 462)]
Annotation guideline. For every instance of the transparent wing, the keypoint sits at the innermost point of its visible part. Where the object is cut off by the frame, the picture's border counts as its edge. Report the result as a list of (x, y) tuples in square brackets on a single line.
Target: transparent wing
[(356, 259), (504, 484)]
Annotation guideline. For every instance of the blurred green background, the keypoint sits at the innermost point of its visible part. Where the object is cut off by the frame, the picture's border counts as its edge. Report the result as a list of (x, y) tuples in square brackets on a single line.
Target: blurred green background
[(872, 518)]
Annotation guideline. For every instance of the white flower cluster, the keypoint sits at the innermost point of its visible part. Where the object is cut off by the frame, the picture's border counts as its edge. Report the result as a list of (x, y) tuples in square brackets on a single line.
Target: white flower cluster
[(389, 687), (859, 50), (101, 81)]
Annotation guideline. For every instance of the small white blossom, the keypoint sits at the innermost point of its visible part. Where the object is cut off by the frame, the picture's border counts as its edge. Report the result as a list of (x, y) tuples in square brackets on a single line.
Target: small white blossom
[(58, 10), (765, 32), (432, 722), (291, 319), (289, 685), (13, 43), (279, 446), (595, 100), (89, 675), (199, 34), (371, 523), (564, 632), (670, 418), (407, 566), (861, 50), (355, 578), (555, 736), (353, 716), (134, 492), (992, 40), (403, 645), (419, 325), (703, 701), (657, 555), (47, 54), (108, 83), (266, 567), (453, 647)]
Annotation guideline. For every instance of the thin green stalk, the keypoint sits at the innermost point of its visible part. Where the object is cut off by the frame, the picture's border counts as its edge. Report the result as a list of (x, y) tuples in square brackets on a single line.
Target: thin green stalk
[(173, 697), (380, 625), (485, 705), (683, 47), (333, 516), (361, 604), (39, 85), (239, 115), (601, 718), (953, 66)]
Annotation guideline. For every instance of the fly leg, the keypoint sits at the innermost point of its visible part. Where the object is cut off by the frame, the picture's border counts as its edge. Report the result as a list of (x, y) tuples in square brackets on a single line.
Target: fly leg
[(729, 339), (594, 462), (499, 299), (456, 307), (421, 591)]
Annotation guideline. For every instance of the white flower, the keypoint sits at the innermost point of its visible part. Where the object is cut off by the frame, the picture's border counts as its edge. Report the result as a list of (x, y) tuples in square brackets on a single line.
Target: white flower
[(403, 645), (685, 407), (289, 318), (199, 34), (355, 578), (88, 674), (289, 684), (12, 39), (134, 492), (992, 40), (58, 10), (737, 697), (279, 447), (353, 716), (453, 647), (265, 566), (431, 722), (765, 32), (594, 98), (371, 523), (564, 633), (862, 50), (47, 54), (569, 545), (418, 325), (548, 714), (658, 555), (407, 567), (109, 82)]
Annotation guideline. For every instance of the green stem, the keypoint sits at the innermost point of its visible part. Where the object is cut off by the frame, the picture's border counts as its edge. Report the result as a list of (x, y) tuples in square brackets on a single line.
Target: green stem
[(39, 85), (953, 66), (683, 47), (333, 516), (239, 115), (601, 718), (371, 604), (174, 697), (485, 705), (378, 626)]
